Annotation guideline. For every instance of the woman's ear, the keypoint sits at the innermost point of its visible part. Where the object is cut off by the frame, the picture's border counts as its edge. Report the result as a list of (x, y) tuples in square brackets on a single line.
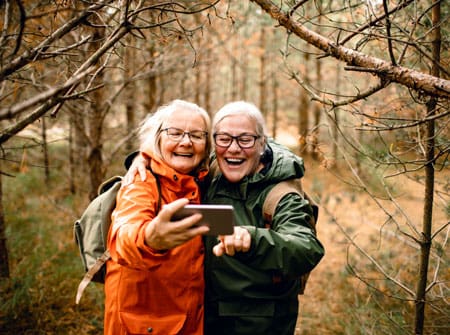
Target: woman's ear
[(264, 142), (266, 155)]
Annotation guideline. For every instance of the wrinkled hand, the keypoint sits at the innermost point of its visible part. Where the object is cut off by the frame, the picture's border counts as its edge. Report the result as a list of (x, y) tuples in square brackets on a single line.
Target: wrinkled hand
[(240, 241), (162, 234), (139, 165)]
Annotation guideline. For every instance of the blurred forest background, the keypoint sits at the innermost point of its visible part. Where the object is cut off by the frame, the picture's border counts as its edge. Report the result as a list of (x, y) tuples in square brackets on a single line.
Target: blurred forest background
[(359, 88)]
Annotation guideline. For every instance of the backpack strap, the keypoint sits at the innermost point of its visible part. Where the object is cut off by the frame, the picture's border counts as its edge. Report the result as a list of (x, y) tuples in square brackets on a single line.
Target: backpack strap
[(158, 185), (90, 274), (278, 192), (107, 184), (274, 196), (270, 204)]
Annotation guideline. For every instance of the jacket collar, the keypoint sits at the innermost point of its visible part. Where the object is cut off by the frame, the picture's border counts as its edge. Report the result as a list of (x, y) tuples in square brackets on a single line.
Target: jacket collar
[(174, 180)]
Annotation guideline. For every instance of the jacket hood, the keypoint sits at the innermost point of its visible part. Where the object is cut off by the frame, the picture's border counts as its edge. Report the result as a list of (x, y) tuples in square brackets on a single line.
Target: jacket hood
[(283, 165)]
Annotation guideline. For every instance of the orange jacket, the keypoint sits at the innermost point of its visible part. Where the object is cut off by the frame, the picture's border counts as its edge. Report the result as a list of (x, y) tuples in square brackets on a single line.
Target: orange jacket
[(148, 292)]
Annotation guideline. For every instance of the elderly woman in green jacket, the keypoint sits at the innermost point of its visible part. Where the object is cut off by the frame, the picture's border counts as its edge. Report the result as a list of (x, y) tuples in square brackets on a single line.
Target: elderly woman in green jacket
[(253, 276)]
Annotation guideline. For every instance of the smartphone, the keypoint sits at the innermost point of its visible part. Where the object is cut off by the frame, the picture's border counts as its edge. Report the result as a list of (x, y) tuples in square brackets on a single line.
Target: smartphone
[(219, 218)]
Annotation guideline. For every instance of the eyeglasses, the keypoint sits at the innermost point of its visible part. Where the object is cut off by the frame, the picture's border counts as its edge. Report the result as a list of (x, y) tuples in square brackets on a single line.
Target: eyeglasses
[(176, 134), (244, 141)]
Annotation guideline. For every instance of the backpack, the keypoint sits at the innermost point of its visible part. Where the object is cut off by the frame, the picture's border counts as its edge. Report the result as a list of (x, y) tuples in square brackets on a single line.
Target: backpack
[(91, 232), (271, 202)]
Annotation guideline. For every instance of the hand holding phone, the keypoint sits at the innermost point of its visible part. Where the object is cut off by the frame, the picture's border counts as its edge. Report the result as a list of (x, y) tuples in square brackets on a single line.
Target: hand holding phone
[(219, 218)]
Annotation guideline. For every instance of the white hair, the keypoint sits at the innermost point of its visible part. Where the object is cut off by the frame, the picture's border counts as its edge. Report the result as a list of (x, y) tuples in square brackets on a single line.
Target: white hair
[(241, 108), (150, 129)]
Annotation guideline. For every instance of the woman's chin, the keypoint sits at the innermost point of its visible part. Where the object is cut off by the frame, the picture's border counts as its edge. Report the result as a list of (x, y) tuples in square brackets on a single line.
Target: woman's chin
[(233, 176)]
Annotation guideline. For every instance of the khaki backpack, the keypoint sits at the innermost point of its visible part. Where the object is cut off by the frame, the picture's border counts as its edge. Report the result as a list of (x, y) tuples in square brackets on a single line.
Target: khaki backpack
[(91, 232), (270, 204)]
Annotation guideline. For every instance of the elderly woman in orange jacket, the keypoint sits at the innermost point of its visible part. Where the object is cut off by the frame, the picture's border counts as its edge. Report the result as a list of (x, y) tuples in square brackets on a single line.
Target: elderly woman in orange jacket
[(154, 282)]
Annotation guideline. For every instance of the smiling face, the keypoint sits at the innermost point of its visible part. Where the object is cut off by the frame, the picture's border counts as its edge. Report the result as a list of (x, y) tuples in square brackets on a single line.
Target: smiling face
[(235, 163), (183, 155)]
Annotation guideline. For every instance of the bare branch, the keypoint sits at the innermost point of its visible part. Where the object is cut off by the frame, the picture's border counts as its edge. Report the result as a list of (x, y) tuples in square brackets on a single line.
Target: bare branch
[(418, 81), (388, 32), (436, 271), (34, 53), (12, 111), (296, 6), (329, 102), (410, 124), (378, 19), (6, 20), (377, 265)]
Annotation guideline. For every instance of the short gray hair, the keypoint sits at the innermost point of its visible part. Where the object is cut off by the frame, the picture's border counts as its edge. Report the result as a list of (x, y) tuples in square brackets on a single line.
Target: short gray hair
[(150, 129), (241, 108)]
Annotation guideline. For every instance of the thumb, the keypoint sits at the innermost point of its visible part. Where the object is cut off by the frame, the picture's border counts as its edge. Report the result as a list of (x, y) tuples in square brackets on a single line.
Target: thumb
[(218, 250), (168, 210)]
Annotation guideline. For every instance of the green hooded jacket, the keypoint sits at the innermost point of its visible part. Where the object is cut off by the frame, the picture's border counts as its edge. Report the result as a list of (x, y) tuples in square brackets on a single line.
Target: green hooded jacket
[(257, 292)]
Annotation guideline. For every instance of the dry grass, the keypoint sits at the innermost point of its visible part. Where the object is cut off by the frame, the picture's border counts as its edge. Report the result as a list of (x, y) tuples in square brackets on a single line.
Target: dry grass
[(337, 301)]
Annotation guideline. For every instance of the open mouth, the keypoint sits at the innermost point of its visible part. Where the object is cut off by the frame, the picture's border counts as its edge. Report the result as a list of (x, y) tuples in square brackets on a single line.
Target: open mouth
[(234, 161), (178, 154)]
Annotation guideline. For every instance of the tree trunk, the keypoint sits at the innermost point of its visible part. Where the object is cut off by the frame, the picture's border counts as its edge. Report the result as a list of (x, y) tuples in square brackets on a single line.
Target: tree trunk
[(198, 84), (303, 110), (95, 160), (234, 81), (45, 151), (4, 258), (162, 90), (208, 76), (274, 106), (316, 106), (130, 97), (183, 81), (315, 150), (150, 93), (426, 239), (425, 243), (95, 117), (244, 75), (335, 121), (262, 73), (72, 160)]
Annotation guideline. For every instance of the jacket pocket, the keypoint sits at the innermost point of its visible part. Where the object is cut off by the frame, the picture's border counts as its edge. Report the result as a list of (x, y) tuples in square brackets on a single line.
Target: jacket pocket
[(134, 323), (240, 308)]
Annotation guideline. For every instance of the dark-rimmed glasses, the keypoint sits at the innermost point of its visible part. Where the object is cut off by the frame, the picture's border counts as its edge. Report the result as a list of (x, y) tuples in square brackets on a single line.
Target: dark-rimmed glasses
[(177, 135), (245, 141)]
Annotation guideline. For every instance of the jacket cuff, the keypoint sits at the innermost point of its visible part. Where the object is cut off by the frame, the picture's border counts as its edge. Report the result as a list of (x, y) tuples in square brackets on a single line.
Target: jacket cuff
[(147, 249)]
